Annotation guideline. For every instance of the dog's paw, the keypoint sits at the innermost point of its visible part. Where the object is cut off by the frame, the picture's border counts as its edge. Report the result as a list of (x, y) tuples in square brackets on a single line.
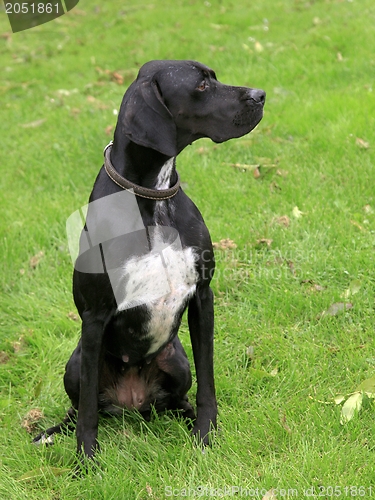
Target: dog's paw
[(43, 439), (203, 435)]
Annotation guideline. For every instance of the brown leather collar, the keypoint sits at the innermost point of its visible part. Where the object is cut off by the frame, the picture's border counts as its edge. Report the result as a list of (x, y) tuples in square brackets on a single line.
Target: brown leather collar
[(150, 194)]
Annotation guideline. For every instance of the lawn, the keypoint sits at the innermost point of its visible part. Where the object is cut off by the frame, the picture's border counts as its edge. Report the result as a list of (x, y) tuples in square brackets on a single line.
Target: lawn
[(290, 207)]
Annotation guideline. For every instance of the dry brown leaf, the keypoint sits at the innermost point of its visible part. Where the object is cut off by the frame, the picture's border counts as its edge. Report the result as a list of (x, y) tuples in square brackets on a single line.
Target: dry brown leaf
[(73, 316), (256, 173), (109, 129), (265, 241), (117, 78), (270, 495), (225, 244), (35, 260), (283, 220), (362, 144), (4, 357), (31, 419)]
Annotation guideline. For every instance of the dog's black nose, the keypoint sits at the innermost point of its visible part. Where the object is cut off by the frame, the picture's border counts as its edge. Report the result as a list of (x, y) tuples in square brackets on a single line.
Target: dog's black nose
[(257, 95)]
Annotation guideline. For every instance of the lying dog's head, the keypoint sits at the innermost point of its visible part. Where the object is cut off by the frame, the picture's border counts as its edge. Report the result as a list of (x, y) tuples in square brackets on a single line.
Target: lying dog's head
[(173, 103)]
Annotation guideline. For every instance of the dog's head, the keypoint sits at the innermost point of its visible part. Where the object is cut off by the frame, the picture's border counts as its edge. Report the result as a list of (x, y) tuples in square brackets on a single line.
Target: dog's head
[(173, 103)]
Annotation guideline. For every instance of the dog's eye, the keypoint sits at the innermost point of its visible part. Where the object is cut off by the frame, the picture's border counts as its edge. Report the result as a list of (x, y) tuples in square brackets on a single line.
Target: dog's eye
[(202, 86)]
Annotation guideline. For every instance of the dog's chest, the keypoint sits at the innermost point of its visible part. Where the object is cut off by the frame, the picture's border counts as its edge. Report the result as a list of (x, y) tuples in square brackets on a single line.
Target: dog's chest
[(162, 281)]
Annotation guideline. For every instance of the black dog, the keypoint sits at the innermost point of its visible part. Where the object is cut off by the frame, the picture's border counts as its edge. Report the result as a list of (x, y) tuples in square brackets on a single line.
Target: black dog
[(132, 289)]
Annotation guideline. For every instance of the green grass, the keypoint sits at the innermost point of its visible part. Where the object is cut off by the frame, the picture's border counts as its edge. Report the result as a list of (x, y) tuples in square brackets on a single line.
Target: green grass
[(277, 360)]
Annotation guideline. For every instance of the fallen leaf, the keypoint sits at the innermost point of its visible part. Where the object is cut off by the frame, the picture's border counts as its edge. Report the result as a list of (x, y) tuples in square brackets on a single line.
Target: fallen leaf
[(265, 241), (4, 357), (283, 220), (225, 244), (368, 209), (297, 213), (256, 173), (362, 144), (34, 124), (368, 387), (117, 78), (73, 316), (35, 260), (336, 308), (270, 495), (258, 47), (31, 419), (149, 490), (339, 399), (354, 288), (352, 404), (108, 130), (339, 57)]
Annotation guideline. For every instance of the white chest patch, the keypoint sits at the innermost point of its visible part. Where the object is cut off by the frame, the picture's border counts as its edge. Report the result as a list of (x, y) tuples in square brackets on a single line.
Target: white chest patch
[(163, 179), (162, 280)]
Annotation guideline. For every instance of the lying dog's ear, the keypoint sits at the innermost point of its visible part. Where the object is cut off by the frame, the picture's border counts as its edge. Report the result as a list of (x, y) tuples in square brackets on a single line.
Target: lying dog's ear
[(147, 120)]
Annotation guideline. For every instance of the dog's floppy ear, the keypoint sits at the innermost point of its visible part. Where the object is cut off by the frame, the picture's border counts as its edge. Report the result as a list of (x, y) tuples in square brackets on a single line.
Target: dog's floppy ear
[(146, 119)]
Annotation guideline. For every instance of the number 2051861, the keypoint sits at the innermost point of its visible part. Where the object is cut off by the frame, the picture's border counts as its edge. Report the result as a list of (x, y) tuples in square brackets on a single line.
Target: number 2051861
[(32, 8)]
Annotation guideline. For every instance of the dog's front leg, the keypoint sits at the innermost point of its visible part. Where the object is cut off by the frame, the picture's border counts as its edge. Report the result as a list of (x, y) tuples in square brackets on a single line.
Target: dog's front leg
[(87, 422), (201, 326)]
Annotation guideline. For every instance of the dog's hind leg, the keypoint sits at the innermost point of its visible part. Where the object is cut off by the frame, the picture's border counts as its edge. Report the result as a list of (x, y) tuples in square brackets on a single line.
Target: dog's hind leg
[(65, 427), (71, 383)]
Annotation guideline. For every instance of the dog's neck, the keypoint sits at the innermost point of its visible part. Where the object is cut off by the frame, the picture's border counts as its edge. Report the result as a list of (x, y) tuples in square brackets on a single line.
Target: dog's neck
[(143, 166)]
